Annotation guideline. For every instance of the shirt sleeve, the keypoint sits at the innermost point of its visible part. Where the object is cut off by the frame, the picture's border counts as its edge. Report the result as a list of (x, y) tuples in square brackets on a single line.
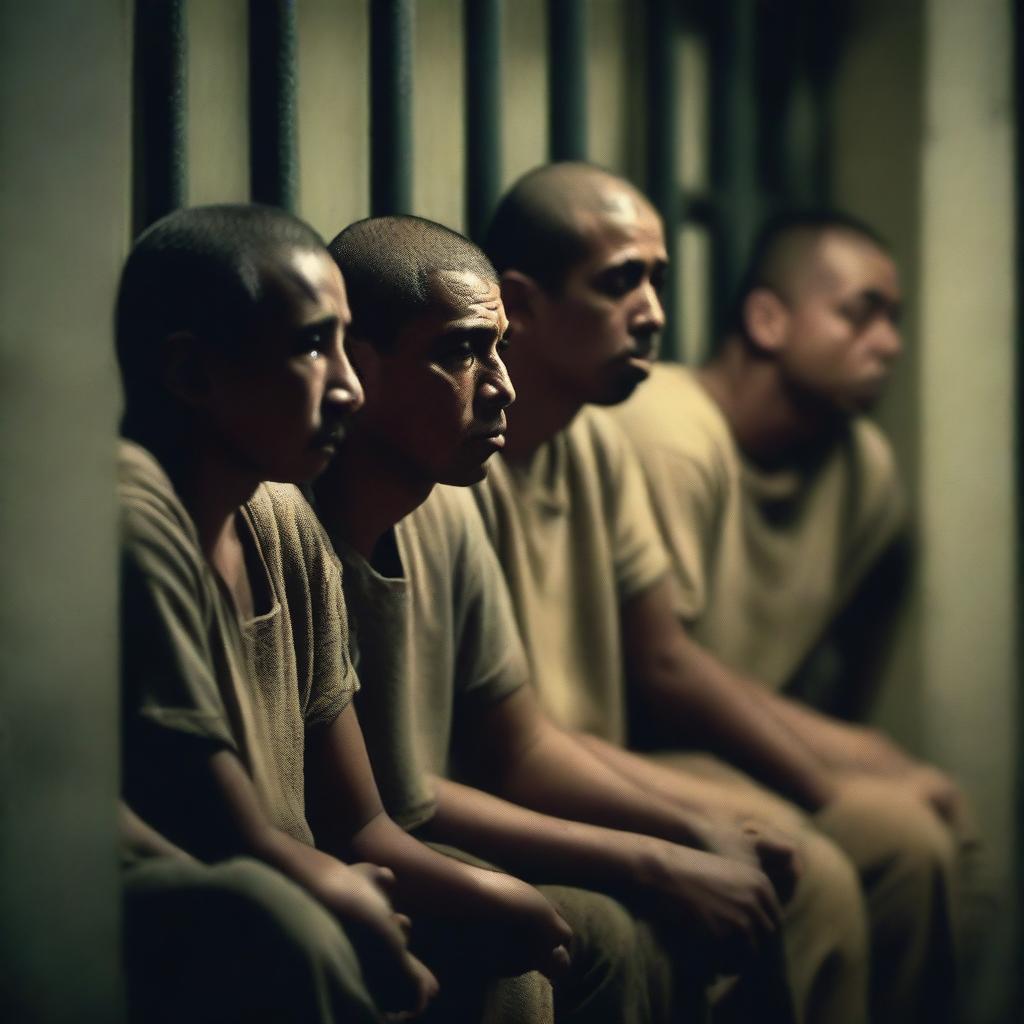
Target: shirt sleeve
[(683, 495), (640, 559), (490, 661), (316, 600), (168, 668)]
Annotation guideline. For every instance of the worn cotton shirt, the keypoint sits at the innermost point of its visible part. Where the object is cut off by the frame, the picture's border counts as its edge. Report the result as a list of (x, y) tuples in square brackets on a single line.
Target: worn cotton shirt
[(576, 538), (439, 636), (195, 678), (763, 560)]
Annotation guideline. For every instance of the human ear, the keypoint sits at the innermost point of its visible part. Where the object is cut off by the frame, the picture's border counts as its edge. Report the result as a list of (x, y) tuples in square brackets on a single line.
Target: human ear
[(766, 319), (519, 295), (183, 368)]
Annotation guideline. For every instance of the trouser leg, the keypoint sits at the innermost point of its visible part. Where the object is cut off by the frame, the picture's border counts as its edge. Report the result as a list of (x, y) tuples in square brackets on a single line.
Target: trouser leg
[(825, 930), (907, 860), (234, 942)]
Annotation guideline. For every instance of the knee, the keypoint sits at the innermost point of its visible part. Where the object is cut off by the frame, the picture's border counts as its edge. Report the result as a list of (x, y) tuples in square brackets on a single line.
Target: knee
[(829, 900), (267, 909)]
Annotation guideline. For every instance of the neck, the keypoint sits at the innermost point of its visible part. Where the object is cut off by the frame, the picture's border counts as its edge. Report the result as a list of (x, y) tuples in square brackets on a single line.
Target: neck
[(541, 410), (212, 488), (770, 423), (360, 497)]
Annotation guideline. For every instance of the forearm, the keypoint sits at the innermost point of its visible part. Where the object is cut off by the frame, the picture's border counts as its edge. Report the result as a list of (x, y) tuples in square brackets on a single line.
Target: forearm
[(559, 774), (715, 708), (532, 843), (841, 746)]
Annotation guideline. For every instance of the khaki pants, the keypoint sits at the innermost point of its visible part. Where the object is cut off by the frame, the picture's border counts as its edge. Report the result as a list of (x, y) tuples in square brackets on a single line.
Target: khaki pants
[(880, 875), (234, 942)]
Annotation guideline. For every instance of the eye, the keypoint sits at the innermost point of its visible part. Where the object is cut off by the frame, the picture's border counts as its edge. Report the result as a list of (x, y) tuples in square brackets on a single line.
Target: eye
[(311, 342), (503, 343), (620, 280), (457, 352)]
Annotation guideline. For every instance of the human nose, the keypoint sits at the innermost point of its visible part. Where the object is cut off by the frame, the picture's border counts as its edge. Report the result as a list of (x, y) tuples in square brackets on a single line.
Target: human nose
[(343, 393), (496, 385), (652, 314), (888, 339)]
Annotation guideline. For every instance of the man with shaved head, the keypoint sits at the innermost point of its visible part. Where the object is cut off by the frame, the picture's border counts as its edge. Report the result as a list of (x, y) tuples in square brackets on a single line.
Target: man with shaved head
[(582, 258), (460, 749), (782, 513)]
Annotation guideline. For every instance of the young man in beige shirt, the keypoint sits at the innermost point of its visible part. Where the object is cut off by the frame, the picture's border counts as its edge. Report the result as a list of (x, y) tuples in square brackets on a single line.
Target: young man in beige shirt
[(445, 701), (582, 258)]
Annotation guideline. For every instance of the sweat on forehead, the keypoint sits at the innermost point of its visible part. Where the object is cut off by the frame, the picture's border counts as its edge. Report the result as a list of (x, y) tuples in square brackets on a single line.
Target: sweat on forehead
[(544, 224), (397, 267)]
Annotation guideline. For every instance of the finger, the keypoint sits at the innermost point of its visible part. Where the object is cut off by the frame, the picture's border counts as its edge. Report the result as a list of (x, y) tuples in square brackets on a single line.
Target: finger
[(556, 964)]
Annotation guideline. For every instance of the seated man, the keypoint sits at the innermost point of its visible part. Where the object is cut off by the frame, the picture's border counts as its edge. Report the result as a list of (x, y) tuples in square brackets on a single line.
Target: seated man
[(582, 257), (440, 655), (236, 677)]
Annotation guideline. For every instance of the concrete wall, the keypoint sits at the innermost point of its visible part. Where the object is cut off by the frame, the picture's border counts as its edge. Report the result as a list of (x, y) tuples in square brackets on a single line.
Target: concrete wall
[(64, 217), (924, 133)]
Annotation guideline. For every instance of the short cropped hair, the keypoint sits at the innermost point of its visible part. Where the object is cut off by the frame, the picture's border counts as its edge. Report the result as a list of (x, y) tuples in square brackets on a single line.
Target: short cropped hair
[(782, 243), (536, 227), (387, 263), (197, 270)]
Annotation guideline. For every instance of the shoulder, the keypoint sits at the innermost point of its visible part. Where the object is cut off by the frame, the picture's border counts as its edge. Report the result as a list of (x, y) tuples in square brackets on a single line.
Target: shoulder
[(872, 449), (672, 412), (873, 465), (157, 533), (282, 512)]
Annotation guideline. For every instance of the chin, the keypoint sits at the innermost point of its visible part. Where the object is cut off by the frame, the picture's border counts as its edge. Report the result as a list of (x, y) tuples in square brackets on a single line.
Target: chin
[(464, 476)]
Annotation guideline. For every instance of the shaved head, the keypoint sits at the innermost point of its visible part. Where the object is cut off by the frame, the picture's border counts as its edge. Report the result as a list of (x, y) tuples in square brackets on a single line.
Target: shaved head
[(783, 255), (390, 266), (546, 221)]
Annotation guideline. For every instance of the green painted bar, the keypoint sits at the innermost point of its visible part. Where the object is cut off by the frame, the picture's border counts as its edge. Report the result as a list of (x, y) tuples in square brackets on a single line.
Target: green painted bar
[(160, 59), (391, 47), (567, 54), (663, 184), (273, 147), (483, 112), (733, 146)]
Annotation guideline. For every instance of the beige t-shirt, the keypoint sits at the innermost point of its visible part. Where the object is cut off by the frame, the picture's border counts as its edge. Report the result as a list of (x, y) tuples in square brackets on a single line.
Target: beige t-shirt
[(195, 678), (438, 635), (576, 538), (763, 561)]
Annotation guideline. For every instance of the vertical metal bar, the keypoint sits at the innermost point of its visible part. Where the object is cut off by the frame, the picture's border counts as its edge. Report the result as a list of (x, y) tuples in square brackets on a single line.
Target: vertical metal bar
[(1018, 76), (273, 149), (567, 54), (733, 146), (159, 179), (663, 185), (391, 42), (483, 112)]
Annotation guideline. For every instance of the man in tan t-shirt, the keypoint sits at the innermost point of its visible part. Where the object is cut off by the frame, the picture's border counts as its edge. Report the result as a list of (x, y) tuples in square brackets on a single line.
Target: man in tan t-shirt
[(443, 670), (582, 258)]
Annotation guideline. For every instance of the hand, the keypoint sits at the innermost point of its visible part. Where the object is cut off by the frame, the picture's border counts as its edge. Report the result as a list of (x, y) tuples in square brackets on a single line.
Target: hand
[(731, 903), (758, 844), (399, 982), (520, 930), (946, 798), (861, 749)]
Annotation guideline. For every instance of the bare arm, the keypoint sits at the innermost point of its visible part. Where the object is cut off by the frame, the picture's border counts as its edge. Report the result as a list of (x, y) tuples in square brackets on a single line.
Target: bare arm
[(701, 699), (517, 929), (713, 899)]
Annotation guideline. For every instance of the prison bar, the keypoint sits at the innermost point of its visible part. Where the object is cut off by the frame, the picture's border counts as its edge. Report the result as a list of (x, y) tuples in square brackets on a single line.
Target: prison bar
[(391, 41), (662, 146), (273, 155), (567, 98), (160, 58), (483, 112)]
